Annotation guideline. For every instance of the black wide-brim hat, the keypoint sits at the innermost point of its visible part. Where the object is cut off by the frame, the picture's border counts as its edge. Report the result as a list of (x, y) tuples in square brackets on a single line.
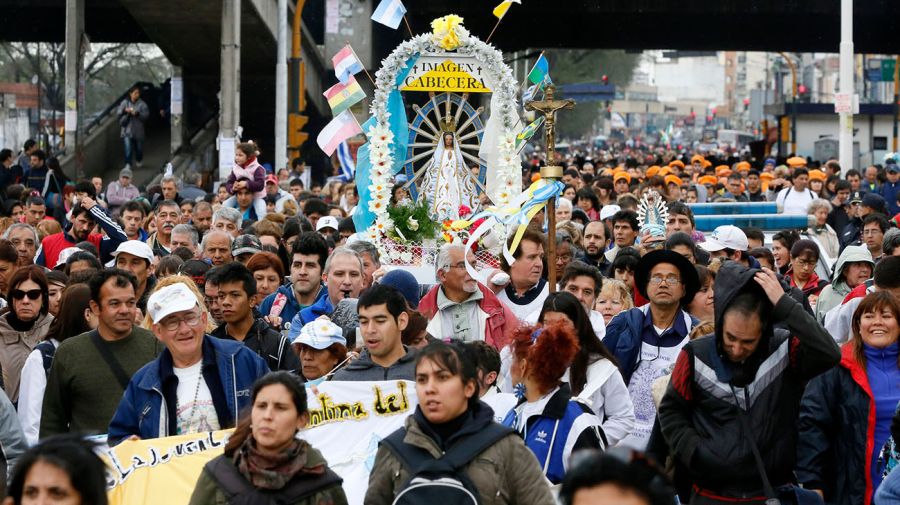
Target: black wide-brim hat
[(689, 277)]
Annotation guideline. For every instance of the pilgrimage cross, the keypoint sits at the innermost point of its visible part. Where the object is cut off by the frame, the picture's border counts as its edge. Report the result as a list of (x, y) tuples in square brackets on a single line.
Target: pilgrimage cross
[(551, 172)]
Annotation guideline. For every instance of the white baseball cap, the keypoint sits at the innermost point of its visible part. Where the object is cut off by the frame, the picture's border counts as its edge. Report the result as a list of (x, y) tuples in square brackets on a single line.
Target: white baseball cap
[(169, 300), (609, 211), (319, 334), (135, 248), (64, 255), (726, 237), (327, 222)]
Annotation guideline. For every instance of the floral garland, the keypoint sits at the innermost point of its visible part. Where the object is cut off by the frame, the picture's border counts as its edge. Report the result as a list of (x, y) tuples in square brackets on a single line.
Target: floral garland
[(448, 33)]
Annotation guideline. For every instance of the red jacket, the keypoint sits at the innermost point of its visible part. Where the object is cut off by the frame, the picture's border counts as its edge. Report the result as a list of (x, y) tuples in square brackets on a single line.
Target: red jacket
[(501, 321)]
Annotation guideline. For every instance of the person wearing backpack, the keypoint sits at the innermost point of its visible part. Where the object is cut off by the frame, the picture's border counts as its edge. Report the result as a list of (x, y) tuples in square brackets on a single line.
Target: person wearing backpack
[(264, 462), (452, 437), (73, 318), (553, 423)]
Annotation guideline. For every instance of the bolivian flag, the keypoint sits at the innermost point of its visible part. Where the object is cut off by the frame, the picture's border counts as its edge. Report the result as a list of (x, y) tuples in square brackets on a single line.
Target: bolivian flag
[(500, 10), (342, 96)]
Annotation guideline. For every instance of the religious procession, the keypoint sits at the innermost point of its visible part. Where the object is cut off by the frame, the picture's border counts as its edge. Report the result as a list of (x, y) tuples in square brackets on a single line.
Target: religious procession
[(491, 280)]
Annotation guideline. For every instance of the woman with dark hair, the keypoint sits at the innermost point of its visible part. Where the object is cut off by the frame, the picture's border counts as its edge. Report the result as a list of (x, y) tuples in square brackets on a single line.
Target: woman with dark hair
[(268, 271), (553, 424), (14, 209), (846, 413), (61, 469), (322, 349), (782, 242), (450, 417), (265, 458), (27, 323), (594, 376), (802, 275), (587, 201), (701, 306), (605, 191), (75, 317), (569, 193), (81, 260)]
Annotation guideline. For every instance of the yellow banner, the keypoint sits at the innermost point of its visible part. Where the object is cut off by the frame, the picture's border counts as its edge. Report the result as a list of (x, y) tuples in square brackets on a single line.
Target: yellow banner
[(160, 470)]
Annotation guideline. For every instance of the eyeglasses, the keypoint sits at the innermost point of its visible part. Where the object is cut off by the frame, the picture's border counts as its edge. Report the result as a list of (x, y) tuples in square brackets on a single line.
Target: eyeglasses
[(193, 320), (458, 265), (32, 294), (671, 280)]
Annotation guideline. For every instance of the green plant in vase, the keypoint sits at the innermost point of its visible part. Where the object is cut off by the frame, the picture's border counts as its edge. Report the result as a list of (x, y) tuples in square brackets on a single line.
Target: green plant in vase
[(412, 222)]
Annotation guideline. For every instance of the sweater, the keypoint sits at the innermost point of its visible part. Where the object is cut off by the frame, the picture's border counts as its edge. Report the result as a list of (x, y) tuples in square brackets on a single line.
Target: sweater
[(82, 392), (884, 379)]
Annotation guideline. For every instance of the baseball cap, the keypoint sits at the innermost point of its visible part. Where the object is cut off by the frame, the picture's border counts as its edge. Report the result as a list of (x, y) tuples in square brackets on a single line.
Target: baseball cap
[(246, 244), (892, 167), (64, 256), (327, 222), (609, 211), (126, 172), (272, 179), (135, 248), (856, 197), (726, 237), (169, 300), (196, 270), (873, 200), (319, 334)]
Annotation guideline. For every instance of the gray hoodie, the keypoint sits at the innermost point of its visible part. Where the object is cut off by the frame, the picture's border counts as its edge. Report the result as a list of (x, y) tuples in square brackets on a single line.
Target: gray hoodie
[(364, 369), (834, 293)]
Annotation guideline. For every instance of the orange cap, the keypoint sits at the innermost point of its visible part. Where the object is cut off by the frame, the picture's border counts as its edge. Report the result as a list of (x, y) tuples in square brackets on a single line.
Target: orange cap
[(767, 176), (697, 158), (742, 166), (664, 171), (673, 179), (723, 171), (817, 175), (653, 170), (676, 163), (707, 163), (622, 175), (708, 179), (796, 162)]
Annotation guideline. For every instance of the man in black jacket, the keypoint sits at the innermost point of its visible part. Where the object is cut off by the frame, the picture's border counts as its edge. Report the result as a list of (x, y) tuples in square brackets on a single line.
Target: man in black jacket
[(237, 297), (750, 370)]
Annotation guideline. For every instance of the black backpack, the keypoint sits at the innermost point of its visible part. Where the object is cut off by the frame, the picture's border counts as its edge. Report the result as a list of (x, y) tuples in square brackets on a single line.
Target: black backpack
[(442, 480), (238, 491)]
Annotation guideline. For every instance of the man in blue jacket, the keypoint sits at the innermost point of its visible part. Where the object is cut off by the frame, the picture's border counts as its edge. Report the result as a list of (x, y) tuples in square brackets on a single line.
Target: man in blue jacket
[(308, 255), (343, 276), (198, 383), (646, 340), (890, 188)]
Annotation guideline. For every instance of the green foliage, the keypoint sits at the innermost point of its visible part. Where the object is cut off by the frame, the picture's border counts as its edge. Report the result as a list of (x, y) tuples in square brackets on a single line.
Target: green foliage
[(419, 211)]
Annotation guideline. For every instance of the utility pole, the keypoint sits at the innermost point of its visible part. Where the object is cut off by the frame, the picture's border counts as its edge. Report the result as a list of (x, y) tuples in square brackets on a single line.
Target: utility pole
[(845, 132), (229, 84), (281, 89), (74, 93)]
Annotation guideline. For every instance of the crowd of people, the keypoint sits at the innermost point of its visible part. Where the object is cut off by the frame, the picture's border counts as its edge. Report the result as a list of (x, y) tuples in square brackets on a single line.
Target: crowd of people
[(736, 365)]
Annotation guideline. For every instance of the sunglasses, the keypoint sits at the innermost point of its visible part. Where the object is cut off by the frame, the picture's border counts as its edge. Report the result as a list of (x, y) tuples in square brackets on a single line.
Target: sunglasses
[(32, 294)]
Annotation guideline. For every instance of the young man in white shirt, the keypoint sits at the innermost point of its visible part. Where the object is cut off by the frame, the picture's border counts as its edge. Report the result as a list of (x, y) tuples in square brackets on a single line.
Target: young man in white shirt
[(796, 198)]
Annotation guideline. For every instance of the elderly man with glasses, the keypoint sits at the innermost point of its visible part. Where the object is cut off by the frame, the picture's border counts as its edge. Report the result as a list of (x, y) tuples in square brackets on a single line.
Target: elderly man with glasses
[(198, 383), (462, 308)]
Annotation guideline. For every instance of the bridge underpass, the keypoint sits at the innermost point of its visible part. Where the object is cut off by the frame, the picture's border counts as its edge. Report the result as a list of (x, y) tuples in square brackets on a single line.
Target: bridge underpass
[(191, 37)]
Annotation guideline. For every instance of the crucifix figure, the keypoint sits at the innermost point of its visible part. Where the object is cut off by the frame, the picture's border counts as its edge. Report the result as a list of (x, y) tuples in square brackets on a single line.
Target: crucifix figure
[(548, 107), (551, 172)]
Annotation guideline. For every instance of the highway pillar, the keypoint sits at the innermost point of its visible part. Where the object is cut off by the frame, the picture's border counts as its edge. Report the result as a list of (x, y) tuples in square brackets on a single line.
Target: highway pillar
[(74, 86), (230, 84), (281, 89)]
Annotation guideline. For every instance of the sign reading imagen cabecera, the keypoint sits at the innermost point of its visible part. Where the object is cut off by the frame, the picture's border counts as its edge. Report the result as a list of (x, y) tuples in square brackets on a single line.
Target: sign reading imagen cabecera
[(461, 74)]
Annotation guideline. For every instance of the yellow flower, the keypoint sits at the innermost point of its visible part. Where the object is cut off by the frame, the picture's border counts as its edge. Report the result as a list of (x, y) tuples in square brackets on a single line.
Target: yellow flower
[(444, 31)]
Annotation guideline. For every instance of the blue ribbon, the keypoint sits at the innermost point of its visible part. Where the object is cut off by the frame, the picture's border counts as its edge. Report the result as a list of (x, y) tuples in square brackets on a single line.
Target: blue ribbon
[(363, 217)]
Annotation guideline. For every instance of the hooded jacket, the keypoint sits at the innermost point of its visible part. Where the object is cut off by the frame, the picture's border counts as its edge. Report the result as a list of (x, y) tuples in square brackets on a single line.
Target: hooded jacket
[(364, 369), (699, 414), (17, 345), (837, 433), (496, 319), (506, 473), (831, 295)]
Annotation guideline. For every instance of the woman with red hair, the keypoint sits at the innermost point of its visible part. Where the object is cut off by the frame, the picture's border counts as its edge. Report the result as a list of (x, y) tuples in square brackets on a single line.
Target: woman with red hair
[(551, 422)]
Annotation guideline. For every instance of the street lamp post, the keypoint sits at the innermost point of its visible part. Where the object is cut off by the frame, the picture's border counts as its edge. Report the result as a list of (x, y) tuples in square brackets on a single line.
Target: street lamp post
[(845, 132)]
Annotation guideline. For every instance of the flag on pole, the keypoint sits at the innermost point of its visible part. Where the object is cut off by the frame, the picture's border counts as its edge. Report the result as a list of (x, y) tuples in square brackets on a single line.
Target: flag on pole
[(529, 131), (341, 97), (389, 13), (346, 63), (540, 70), (500, 10), (339, 129), (348, 166), (532, 92)]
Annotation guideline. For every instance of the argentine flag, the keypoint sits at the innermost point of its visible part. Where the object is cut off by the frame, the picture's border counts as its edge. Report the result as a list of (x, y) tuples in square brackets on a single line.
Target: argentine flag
[(389, 13)]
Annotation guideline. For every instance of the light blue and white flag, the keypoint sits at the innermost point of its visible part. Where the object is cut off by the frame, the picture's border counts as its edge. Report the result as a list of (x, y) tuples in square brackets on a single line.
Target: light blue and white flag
[(389, 13), (348, 166)]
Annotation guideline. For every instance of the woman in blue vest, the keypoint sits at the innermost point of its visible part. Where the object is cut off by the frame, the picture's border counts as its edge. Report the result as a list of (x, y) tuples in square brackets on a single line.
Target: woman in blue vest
[(551, 422)]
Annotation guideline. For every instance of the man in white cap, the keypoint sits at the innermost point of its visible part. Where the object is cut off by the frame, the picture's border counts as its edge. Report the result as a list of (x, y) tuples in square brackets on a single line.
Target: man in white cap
[(198, 383), (727, 241), (136, 256), (327, 226)]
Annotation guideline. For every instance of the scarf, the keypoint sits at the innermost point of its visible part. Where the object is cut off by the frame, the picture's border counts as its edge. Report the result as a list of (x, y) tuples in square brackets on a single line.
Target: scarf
[(18, 324), (249, 162), (274, 472)]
